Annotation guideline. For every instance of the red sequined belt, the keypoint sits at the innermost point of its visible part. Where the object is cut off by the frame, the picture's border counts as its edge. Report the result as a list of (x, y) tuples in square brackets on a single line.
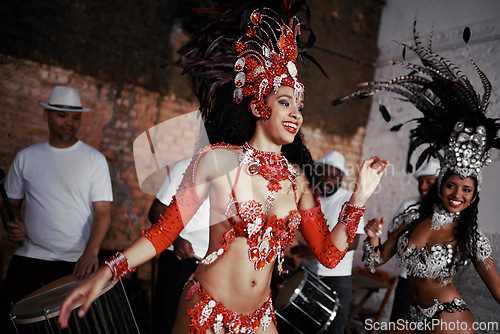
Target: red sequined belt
[(210, 314)]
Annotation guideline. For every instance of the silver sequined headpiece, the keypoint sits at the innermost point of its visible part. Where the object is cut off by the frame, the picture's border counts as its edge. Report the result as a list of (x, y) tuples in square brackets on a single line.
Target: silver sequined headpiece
[(466, 153)]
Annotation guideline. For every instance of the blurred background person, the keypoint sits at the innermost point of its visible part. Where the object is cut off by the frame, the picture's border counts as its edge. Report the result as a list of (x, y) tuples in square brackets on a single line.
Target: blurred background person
[(181, 259), (331, 171)]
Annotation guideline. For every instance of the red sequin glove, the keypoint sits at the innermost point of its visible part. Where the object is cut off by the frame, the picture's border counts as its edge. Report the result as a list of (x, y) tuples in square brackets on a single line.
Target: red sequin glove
[(315, 231), (171, 223)]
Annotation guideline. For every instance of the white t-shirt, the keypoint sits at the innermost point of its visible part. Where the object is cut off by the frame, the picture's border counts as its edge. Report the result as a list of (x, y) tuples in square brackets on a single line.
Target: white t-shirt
[(197, 230), (331, 206), (59, 186)]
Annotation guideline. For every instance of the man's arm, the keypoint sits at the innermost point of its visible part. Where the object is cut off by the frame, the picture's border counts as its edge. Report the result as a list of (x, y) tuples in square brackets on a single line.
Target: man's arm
[(88, 262), (354, 244), (156, 209)]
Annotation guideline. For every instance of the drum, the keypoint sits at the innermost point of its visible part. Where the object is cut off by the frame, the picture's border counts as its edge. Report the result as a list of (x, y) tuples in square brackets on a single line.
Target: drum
[(109, 313), (304, 304)]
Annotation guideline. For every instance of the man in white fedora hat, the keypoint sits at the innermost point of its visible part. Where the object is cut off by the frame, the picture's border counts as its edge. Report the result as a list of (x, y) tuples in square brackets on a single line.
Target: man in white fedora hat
[(66, 187), (331, 170)]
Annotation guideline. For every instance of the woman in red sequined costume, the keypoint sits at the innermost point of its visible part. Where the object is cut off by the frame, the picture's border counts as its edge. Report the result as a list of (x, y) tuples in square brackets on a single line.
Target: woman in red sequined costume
[(259, 199)]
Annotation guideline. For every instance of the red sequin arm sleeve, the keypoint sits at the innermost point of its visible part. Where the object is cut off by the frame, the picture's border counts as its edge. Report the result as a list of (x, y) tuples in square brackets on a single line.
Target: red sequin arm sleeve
[(315, 231), (182, 208)]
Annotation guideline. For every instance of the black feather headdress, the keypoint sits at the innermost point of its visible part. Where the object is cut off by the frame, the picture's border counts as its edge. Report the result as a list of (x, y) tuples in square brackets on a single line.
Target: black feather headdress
[(453, 126), (240, 45)]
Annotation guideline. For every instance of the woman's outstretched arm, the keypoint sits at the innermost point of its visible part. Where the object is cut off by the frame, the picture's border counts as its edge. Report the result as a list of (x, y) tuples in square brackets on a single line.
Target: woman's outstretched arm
[(488, 272), (138, 253), (190, 195), (374, 253)]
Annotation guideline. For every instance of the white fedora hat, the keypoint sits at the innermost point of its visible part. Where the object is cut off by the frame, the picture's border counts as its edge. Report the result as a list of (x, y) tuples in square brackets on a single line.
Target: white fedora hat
[(64, 99), (431, 169), (335, 159)]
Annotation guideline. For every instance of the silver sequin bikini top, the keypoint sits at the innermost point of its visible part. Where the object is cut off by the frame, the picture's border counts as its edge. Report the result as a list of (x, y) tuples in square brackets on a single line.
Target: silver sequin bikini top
[(440, 261)]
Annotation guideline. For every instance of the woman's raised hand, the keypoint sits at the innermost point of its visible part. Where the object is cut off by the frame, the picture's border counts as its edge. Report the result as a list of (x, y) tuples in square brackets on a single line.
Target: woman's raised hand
[(374, 227), (369, 176)]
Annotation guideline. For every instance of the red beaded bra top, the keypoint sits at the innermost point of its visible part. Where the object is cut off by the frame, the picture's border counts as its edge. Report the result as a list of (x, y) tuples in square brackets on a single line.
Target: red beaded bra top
[(267, 237)]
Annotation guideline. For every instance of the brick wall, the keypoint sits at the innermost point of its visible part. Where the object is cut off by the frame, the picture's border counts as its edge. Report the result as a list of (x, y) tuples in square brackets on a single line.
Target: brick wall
[(117, 117), (127, 42)]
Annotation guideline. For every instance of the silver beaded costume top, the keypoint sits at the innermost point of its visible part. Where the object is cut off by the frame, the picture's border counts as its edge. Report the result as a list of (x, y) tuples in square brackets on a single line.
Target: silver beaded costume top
[(439, 261)]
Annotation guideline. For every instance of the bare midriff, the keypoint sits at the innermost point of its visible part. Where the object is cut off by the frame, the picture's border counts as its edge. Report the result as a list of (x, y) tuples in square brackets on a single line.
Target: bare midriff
[(425, 290), (233, 280)]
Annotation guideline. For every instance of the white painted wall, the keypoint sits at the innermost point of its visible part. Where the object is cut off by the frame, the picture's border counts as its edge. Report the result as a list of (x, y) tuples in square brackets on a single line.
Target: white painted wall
[(445, 19)]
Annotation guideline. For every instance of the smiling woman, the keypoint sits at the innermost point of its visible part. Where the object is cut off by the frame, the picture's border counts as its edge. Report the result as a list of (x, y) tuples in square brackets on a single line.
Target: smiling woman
[(440, 234), (252, 173), (457, 194), (285, 120), (433, 242)]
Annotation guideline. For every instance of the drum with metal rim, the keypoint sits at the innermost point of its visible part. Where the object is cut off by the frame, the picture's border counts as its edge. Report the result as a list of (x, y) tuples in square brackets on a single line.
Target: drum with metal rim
[(304, 304), (109, 313)]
